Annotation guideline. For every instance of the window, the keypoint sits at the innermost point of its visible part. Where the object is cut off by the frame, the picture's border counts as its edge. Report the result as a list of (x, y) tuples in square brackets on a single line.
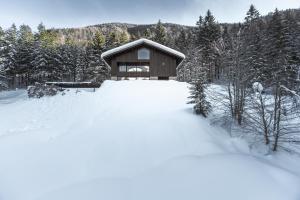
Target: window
[(134, 67), (143, 54), (122, 68)]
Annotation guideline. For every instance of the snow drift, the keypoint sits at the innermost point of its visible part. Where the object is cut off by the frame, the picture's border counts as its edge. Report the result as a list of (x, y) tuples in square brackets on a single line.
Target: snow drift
[(128, 140)]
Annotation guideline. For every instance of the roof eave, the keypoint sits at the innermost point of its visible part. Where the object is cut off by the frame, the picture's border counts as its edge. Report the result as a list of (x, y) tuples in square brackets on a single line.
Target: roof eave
[(140, 42)]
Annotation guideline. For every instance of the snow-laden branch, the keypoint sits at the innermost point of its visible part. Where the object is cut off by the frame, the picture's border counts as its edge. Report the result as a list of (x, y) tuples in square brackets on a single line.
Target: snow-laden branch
[(290, 91)]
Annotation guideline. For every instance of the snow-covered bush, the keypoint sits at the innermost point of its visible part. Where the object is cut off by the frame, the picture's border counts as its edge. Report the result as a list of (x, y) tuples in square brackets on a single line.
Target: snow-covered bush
[(257, 87), (39, 90)]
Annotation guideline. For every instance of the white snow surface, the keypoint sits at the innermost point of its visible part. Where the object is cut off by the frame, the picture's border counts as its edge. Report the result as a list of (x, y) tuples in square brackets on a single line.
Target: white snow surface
[(130, 140), (139, 42)]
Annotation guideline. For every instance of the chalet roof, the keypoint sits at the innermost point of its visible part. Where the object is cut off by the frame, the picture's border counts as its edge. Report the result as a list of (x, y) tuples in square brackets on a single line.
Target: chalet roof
[(139, 42)]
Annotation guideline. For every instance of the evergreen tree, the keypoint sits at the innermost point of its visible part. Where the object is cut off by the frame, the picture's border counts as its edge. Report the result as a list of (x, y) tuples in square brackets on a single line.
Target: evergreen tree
[(147, 34), (124, 38), (99, 41), (199, 23), (253, 48), (41, 28), (2, 47), (278, 51), (71, 60), (112, 40), (24, 52), (96, 70), (40, 62), (181, 41), (292, 34), (208, 33), (252, 14), (3, 84), (198, 97), (208, 30), (160, 33), (10, 50), (45, 55)]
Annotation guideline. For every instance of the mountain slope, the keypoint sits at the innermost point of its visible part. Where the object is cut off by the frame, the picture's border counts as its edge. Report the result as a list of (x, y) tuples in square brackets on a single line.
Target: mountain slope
[(129, 140), (134, 30), (137, 30)]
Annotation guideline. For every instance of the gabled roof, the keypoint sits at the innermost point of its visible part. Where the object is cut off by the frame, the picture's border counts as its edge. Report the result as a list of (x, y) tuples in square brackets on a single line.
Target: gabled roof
[(139, 42)]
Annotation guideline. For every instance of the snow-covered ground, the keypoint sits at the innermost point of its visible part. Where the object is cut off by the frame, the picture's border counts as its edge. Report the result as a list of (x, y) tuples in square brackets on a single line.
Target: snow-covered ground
[(130, 140)]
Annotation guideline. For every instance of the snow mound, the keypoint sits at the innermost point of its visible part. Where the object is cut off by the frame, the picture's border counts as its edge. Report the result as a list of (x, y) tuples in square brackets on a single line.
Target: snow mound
[(128, 140)]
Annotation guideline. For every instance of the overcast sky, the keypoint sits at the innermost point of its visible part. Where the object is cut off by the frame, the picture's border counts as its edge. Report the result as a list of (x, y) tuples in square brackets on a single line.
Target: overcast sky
[(77, 13)]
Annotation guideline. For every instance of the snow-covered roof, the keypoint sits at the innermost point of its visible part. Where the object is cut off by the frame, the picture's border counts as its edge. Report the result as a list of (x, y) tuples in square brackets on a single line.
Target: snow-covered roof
[(139, 42)]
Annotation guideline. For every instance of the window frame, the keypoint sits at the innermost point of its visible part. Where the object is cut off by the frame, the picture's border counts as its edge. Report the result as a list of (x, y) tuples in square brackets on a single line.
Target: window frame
[(134, 67), (143, 54)]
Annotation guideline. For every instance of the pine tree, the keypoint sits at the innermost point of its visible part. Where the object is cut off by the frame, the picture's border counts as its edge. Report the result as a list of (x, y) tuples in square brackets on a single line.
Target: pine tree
[(2, 47), (81, 65), (208, 33), (198, 97), (160, 33), (40, 62), (24, 52), (252, 51), (199, 23), (147, 34), (96, 70), (45, 56), (3, 78), (99, 41), (181, 41), (252, 14), (9, 51), (112, 40), (72, 56), (292, 34), (278, 51), (41, 28), (209, 29), (124, 38)]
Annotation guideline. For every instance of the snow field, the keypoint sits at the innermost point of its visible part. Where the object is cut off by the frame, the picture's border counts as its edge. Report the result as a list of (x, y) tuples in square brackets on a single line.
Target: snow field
[(129, 140)]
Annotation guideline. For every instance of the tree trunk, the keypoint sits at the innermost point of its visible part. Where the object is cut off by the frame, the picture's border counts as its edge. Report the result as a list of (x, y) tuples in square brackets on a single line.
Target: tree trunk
[(278, 118)]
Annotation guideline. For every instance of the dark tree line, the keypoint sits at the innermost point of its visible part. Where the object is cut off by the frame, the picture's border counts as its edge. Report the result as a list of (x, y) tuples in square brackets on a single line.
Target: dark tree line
[(27, 57)]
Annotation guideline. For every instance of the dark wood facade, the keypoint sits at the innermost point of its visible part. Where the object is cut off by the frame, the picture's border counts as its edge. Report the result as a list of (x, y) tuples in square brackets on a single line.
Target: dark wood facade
[(162, 64)]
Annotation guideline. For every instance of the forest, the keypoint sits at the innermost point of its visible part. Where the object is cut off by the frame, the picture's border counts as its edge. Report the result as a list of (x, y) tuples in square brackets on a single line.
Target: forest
[(258, 62)]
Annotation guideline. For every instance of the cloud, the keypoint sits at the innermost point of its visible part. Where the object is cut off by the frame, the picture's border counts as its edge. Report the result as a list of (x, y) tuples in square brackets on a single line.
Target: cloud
[(76, 13)]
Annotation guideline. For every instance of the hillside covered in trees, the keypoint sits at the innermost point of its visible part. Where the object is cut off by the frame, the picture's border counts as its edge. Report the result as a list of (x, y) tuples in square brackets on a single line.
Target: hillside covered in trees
[(74, 54)]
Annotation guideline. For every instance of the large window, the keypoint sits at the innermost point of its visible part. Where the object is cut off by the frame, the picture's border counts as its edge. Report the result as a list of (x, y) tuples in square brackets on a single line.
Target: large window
[(143, 54), (134, 67)]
